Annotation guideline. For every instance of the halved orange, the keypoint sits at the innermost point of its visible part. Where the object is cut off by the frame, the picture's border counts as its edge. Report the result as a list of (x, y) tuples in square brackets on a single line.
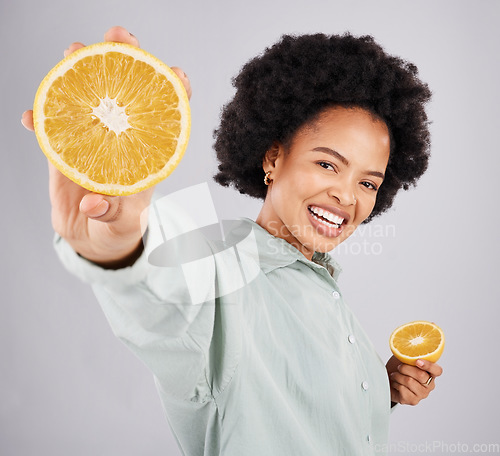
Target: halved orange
[(417, 340), (112, 118)]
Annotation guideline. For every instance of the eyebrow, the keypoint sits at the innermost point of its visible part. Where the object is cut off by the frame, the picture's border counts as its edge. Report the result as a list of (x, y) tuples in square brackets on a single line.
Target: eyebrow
[(344, 160)]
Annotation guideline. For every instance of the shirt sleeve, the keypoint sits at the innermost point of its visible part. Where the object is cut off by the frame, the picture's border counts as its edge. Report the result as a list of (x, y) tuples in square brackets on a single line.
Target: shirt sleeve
[(165, 307)]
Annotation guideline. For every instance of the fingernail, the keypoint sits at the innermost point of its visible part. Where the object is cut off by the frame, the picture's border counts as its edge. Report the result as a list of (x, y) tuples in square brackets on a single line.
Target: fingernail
[(420, 363), (100, 209), (399, 366)]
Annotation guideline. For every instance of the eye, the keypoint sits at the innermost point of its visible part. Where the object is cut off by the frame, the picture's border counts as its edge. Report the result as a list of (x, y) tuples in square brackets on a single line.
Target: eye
[(326, 165), (369, 185)]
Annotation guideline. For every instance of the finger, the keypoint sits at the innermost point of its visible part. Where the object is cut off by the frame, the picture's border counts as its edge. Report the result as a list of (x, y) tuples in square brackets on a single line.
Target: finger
[(185, 80), (72, 48), (121, 35), (101, 207), (412, 384), (420, 375), (434, 369), (406, 396), (27, 120)]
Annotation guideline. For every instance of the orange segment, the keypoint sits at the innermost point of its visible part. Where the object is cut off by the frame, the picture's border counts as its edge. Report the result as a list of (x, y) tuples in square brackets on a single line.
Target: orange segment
[(113, 118), (417, 340)]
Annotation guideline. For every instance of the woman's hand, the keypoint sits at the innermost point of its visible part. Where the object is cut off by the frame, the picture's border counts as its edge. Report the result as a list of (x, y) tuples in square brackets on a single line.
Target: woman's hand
[(101, 228), (410, 384)]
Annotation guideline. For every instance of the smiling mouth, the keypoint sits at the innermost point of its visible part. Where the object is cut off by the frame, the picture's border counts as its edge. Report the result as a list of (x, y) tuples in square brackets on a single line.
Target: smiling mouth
[(327, 218)]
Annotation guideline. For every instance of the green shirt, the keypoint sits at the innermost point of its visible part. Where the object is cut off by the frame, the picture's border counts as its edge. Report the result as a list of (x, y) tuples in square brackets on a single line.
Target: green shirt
[(252, 347)]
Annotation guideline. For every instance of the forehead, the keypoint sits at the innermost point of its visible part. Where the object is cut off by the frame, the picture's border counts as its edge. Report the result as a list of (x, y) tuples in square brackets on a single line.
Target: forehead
[(347, 130)]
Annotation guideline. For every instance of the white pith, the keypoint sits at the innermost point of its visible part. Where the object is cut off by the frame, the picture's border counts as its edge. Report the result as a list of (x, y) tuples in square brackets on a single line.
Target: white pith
[(111, 115), (334, 219), (417, 340)]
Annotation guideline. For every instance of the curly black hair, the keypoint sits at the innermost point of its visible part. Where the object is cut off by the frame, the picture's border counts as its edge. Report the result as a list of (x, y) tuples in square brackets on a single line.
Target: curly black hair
[(292, 82)]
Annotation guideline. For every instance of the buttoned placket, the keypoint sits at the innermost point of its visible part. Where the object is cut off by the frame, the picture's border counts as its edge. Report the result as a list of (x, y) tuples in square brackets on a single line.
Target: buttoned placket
[(364, 385), (351, 340)]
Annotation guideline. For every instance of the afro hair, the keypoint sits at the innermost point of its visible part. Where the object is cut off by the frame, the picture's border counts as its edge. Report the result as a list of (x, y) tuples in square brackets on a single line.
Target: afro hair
[(293, 81)]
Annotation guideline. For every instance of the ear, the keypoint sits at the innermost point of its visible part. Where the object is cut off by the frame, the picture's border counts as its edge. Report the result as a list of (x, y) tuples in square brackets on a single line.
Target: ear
[(269, 162)]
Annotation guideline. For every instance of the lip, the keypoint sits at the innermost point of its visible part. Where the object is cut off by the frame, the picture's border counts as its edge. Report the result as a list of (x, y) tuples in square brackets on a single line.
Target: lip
[(333, 210)]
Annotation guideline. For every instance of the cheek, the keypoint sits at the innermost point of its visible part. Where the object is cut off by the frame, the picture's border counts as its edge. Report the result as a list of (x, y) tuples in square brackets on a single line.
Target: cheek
[(290, 187), (364, 209)]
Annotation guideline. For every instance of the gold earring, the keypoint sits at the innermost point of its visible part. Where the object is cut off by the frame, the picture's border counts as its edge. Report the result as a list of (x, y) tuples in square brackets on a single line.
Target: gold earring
[(267, 178)]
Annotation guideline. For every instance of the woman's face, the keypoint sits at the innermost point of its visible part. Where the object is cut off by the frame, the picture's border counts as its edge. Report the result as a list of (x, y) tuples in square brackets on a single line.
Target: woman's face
[(326, 183)]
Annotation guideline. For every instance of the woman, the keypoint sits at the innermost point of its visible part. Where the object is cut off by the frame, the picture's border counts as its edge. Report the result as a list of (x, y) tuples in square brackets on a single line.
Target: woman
[(326, 130)]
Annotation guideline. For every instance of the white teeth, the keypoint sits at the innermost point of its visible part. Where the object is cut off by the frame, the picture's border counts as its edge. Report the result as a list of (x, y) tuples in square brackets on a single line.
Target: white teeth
[(334, 218), (327, 215), (324, 222)]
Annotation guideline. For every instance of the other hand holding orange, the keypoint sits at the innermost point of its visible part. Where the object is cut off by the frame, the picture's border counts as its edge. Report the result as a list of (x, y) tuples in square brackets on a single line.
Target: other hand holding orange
[(416, 347)]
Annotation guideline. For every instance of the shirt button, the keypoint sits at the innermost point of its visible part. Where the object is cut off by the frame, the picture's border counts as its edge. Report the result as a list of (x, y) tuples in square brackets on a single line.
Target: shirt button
[(336, 294), (351, 338), (369, 438), (365, 385)]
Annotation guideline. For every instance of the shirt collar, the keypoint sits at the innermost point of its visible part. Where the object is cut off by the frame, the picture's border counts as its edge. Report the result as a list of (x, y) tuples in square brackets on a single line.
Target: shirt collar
[(275, 252)]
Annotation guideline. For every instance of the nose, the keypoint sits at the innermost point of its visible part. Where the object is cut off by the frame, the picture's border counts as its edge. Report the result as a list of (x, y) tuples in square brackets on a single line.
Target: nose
[(344, 193)]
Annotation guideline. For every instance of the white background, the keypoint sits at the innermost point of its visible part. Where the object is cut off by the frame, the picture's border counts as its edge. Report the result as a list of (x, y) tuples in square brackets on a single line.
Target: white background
[(68, 387)]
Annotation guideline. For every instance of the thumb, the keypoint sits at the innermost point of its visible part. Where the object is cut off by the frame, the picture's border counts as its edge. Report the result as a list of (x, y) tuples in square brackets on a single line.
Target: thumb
[(101, 207)]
